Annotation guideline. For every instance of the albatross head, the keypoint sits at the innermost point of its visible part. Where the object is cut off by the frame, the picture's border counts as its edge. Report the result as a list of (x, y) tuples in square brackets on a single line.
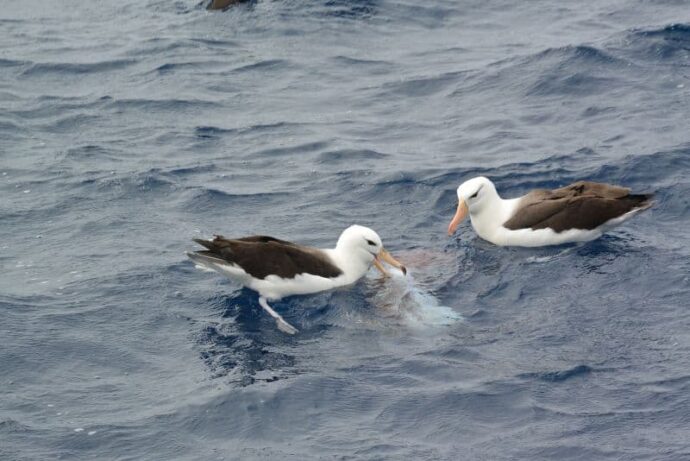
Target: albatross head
[(359, 247), (474, 195)]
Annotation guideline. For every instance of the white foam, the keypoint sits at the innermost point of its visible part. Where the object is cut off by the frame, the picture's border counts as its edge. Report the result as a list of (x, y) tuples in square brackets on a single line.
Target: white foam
[(548, 258), (415, 306), (203, 268)]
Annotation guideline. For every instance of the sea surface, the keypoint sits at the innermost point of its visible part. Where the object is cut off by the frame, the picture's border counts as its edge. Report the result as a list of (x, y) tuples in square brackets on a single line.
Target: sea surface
[(127, 128)]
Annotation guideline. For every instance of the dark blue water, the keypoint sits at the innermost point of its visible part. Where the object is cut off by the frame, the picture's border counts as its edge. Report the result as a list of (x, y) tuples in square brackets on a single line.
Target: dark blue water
[(129, 127)]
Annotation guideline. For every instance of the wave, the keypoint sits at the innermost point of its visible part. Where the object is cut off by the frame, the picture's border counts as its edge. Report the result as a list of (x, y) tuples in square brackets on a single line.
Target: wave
[(572, 55), (669, 44), (162, 46), (292, 150), (568, 71), (170, 104), (349, 9), (40, 69), (13, 426), (571, 71), (209, 131), (424, 86), (363, 63), (191, 66), (207, 199), (349, 155), (12, 62), (263, 66)]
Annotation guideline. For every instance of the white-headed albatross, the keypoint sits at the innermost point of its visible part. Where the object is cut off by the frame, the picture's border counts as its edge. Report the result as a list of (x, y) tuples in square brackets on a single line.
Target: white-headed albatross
[(579, 212), (276, 268)]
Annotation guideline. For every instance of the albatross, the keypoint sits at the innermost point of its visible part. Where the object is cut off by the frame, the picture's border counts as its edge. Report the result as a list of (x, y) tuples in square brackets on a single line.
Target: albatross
[(579, 212), (276, 268)]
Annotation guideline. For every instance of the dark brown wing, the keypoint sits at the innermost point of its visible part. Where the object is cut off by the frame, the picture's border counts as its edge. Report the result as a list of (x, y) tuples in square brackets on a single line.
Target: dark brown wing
[(582, 205), (222, 4), (588, 188), (261, 256), (260, 239)]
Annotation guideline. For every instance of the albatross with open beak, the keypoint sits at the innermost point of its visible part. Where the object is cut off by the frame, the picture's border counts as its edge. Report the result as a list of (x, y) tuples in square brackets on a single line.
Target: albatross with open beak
[(276, 268), (579, 212)]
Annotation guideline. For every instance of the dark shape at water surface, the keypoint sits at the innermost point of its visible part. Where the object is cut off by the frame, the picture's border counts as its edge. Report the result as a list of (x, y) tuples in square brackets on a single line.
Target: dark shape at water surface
[(350, 9), (561, 375), (223, 4)]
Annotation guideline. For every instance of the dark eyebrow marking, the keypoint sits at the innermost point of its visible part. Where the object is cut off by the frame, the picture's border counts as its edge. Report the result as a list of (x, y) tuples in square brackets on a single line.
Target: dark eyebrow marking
[(475, 194)]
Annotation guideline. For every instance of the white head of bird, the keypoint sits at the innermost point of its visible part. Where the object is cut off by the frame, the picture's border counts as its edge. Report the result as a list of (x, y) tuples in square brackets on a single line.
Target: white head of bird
[(475, 196), (358, 248)]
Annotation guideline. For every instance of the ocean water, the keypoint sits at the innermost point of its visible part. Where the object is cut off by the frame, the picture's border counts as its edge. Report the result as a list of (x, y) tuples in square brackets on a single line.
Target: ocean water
[(128, 128)]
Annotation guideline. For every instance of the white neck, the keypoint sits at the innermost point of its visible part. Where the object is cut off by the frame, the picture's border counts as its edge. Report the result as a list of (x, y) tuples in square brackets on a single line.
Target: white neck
[(488, 218), (353, 268)]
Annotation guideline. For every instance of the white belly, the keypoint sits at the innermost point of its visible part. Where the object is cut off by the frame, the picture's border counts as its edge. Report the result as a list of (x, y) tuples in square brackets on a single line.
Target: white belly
[(274, 287), (545, 237), (540, 237)]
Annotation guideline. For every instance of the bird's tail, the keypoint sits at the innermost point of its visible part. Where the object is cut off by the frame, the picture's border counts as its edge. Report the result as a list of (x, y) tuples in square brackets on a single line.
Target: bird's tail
[(213, 259), (206, 262), (209, 244), (641, 201), (209, 257), (204, 258)]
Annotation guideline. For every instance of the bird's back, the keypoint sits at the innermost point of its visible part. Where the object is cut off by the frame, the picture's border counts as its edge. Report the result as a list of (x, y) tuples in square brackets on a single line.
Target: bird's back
[(260, 256)]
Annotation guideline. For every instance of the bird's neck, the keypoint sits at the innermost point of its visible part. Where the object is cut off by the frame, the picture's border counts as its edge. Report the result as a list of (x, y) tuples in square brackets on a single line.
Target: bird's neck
[(491, 215), (353, 267)]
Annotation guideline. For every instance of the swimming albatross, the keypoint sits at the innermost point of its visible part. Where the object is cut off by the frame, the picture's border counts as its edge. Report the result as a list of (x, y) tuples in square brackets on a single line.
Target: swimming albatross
[(579, 212), (275, 268)]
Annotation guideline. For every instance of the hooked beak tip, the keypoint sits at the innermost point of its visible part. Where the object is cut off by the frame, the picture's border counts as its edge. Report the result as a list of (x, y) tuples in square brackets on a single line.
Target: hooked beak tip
[(385, 256)]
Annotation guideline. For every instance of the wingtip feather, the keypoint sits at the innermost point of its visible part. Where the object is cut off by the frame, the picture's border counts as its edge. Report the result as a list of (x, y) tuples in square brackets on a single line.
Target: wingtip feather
[(204, 243)]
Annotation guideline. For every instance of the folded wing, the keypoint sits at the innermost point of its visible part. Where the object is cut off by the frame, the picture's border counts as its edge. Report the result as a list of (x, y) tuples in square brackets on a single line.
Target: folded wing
[(261, 256), (582, 205)]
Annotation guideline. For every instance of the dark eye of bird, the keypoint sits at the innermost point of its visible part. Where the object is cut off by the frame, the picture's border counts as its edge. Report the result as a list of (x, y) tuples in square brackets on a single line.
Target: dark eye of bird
[(371, 243), (477, 193)]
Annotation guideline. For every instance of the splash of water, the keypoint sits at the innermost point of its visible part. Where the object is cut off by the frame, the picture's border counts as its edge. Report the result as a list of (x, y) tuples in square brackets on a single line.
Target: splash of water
[(401, 297)]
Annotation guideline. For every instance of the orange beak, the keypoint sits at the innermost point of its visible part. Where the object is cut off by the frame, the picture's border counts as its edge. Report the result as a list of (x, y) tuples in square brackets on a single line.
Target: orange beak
[(386, 256), (459, 216)]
